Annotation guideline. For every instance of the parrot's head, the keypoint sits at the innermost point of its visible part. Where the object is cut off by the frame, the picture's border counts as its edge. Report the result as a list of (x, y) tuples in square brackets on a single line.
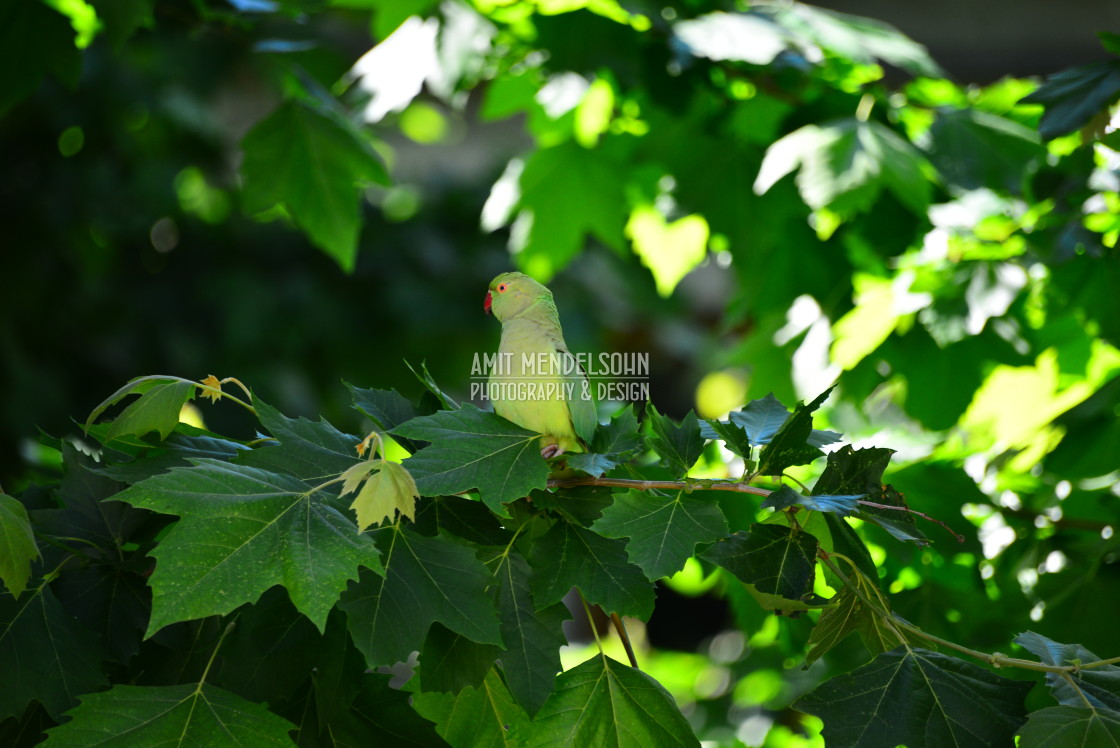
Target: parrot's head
[(512, 293)]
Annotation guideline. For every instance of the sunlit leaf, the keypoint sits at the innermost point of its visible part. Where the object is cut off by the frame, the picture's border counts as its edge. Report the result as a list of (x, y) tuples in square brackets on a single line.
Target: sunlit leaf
[(602, 702)]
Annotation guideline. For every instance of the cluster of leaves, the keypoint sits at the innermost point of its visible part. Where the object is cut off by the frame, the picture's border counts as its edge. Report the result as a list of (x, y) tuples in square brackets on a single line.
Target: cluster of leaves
[(193, 585)]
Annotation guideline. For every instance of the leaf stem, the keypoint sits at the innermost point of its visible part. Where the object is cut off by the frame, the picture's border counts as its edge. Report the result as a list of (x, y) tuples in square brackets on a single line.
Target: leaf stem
[(590, 621), (620, 627)]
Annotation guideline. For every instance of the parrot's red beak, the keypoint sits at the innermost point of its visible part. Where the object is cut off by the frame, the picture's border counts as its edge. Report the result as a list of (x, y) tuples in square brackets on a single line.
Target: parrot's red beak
[(487, 302)]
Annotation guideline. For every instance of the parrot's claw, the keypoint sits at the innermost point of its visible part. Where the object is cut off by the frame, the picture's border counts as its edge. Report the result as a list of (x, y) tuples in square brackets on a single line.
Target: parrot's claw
[(551, 450)]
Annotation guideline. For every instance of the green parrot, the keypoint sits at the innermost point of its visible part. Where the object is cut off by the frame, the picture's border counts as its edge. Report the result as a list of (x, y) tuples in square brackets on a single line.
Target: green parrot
[(536, 382)]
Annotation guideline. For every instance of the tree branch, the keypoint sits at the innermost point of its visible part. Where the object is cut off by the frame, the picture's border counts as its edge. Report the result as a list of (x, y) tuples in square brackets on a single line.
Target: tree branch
[(691, 484)]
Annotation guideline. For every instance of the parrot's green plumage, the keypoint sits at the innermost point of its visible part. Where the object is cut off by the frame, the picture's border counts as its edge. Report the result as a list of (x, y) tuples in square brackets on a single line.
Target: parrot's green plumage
[(544, 393)]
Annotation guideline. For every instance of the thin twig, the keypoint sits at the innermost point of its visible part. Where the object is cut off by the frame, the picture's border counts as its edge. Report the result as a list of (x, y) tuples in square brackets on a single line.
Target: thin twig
[(923, 515), (694, 484)]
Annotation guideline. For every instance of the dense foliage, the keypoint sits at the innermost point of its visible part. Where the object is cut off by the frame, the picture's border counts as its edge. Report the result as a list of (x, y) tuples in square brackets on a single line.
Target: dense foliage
[(769, 198)]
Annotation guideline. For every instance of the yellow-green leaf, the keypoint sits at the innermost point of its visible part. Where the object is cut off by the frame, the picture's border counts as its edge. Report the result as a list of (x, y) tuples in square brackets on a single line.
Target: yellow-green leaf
[(390, 491)]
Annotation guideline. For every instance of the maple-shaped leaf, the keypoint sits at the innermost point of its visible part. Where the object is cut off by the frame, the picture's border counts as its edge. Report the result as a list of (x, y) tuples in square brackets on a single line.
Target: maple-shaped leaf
[(450, 662), (314, 165), (425, 378), (603, 702), (1098, 687), (663, 531), (1074, 96), (157, 409), (918, 698), (314, 451), (613, 444), (761, 419), (678, 445), (851, 471), (1064, 726), (385, 493), (426, 579), (387, 409), (187, 714), (790, 444), (17, 545), (775, 559), (843, 165), (472, 450), (571, 556), (481, 717), (259, 529), (184, 444), (45, 655), (732, 435), (849, 613), (533, 636), (786, 497)]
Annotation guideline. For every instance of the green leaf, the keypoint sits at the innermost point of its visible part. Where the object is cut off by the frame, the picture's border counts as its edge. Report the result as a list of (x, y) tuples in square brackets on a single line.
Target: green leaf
[(775, 559), (732, 435), (313, 451), (570, 556), (847, 614), (314, 167), (260, 529), (568, 193), (1065, 726), (177, 450), (663, 530), (602, 702), (17, 545), (679, 446), (918, 698), (845, 164), (855, 38), (387, 409), (45, 655), (790, 444), (472, 450), (761, 419), (157, 408), (451, 662), (670, 250), (744, 37), (429, 383), (111, 600), (786, 497), (851, 471), (476, 717), (426, 580), (533, 637), (612, 445), (188, 714), (1074, 96), (122, 18), (974, 149), (387, 493), (1099, 686), (34, 40)]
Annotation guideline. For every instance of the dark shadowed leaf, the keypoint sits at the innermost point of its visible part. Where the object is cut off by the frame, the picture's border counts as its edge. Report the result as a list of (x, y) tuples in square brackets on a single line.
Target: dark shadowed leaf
[(189, 714), (920, 699)]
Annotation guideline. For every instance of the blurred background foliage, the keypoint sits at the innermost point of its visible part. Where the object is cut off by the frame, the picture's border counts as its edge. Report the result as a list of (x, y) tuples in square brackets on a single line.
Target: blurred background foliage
[(298, 192)]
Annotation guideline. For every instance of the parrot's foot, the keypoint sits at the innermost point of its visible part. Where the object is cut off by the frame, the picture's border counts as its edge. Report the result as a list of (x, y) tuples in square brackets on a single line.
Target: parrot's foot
[(551, 450)]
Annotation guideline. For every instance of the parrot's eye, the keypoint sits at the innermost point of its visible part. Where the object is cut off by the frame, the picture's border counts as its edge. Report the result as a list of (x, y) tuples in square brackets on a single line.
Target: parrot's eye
[(502, 287)]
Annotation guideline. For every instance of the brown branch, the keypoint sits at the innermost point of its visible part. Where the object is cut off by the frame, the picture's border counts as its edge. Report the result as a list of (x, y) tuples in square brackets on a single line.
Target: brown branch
[(666, 485), (895, 507)]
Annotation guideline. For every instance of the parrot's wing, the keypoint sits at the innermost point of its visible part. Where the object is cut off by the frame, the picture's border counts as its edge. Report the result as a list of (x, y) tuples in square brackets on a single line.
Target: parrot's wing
[(581, 407)]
